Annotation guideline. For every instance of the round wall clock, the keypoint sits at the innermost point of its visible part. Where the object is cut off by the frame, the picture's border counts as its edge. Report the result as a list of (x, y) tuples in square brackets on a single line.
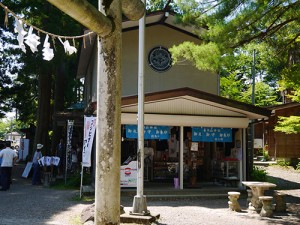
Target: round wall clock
[(160, 59)]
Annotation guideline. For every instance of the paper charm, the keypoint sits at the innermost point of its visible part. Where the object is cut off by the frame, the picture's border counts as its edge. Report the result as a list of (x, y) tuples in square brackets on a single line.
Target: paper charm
[(47, 51), (32, 40), (68, 48), (21, 33)]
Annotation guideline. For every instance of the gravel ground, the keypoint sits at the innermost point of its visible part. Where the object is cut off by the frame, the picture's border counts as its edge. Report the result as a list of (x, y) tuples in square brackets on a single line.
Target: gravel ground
[(27, 205)]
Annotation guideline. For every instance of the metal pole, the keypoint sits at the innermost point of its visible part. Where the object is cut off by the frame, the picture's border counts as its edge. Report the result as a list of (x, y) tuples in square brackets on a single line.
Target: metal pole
[(81, 180), (253, 78), (140, 203), (252, 124), (181, 156)]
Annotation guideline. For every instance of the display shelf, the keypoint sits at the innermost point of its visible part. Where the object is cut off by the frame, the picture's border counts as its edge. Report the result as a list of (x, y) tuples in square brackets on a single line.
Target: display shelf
[(165, 170), (226, 171)]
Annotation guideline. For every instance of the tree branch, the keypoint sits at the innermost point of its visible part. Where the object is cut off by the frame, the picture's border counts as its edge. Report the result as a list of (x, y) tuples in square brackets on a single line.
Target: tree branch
[(289, 43), (260, 17), (264, 34)]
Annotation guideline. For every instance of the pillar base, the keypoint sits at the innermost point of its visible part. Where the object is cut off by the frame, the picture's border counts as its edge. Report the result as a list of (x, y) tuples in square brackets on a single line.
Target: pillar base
[(140, 206)]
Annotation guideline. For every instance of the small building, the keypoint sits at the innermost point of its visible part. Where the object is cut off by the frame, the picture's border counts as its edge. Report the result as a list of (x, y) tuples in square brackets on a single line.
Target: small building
[(278, 144), (191, 133), (14, 138)]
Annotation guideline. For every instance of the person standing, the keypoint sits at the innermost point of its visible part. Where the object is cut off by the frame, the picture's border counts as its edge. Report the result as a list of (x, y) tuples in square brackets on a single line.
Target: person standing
[(36, 178), (1, 147), (9, 157)]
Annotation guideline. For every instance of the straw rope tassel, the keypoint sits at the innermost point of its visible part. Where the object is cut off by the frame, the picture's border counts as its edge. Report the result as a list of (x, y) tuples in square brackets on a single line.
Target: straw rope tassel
[(6, 17), (90, 38), (53, 41)]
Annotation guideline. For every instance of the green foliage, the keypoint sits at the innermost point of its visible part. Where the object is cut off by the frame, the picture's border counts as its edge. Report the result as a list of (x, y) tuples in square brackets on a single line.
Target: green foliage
[(273, 31), (264, 95), (258, 174), (7, 126), (298, 165), (283, 162), (24, 91), (3, 128), (73, 182), (205, 57), (155, 5), (266, 155), (231, 87), (288, 125)]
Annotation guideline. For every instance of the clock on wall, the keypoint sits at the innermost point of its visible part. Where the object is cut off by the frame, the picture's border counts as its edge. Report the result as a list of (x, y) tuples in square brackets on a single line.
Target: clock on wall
[(160, 59)]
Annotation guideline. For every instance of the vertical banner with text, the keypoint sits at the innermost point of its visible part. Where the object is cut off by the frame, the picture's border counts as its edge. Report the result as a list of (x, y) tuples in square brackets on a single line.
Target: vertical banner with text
[(69, 144), (88, 137)]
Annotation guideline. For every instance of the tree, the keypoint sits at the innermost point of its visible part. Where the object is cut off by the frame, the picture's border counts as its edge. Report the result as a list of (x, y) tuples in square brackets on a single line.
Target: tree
[(33, 89), (232, 25), (264, 95), (288, 125), (231, 87), (5, 81)]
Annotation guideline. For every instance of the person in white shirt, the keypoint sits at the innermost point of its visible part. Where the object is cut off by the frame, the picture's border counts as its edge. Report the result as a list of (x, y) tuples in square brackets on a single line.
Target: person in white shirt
[(9, 157)]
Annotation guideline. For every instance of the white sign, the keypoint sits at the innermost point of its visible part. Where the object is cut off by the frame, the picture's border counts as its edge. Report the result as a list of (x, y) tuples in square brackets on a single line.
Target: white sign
[(24, 148), (129, 175), (88, 137), (27, 170), (258, 143), (49, 160)]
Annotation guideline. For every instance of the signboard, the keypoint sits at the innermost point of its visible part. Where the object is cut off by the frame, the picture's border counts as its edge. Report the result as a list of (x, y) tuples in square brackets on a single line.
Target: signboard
[(258, 143), (88, 138), (129, 175), (211, 134), (69, 144), (150, 132), (24, 148), (27, 170)]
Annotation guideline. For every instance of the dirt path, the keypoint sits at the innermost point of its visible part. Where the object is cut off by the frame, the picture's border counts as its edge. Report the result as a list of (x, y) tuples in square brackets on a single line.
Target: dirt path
[(27, 205)]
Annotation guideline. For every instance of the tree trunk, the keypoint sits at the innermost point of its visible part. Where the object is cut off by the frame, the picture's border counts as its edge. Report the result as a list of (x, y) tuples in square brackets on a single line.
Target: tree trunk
[(43, 112), (108, 135), (59, 94)]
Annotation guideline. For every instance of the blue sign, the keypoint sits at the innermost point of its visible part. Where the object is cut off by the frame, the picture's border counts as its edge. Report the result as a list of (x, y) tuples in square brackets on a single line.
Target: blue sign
[(150, 132), (211, 134)]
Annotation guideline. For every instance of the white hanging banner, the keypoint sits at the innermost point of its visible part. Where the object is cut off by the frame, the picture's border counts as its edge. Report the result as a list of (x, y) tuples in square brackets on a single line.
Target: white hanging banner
[(88, 137)]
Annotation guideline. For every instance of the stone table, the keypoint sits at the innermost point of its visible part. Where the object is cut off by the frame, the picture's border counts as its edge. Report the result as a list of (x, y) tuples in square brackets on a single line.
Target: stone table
[(258, 189)]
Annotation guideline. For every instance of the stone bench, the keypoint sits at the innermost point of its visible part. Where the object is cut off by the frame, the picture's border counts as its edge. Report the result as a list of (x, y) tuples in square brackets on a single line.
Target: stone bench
[(280, 204), (233, 204), (266, 210)]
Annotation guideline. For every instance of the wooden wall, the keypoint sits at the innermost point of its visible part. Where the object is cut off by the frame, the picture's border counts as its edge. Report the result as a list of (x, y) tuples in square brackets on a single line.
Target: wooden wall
[(279, 145)]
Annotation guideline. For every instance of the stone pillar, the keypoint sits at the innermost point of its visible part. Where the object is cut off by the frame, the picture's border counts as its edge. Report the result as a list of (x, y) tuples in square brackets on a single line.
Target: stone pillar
[(108, 132)]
